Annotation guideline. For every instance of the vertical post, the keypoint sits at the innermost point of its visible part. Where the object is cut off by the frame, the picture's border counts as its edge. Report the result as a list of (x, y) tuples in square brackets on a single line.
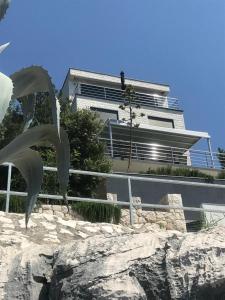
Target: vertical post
[(105, 93), (136, 151), (206, 158), (111, 139), (173, 161), (210, 151), (156, 101), (132, 219), (8, 188)]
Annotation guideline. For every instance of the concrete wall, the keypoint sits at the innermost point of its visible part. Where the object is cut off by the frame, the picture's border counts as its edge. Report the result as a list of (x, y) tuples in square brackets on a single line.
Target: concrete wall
[(153, 192), (142, 166)]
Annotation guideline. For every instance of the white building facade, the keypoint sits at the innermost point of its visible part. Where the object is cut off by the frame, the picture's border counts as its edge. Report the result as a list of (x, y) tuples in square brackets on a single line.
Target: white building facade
[(161, 138)]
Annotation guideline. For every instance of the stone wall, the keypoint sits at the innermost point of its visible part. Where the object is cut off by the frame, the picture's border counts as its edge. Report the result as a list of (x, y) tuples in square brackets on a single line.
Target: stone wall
[(172, 219), (59, 211)]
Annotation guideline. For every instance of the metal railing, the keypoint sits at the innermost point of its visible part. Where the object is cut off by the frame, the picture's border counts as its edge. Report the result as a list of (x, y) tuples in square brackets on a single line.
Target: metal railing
[(164, 154), (129, 180), (110, 94)]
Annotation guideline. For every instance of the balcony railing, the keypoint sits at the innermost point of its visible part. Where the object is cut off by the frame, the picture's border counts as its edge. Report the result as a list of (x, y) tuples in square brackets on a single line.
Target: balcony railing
[(164, 154), (147, 100)]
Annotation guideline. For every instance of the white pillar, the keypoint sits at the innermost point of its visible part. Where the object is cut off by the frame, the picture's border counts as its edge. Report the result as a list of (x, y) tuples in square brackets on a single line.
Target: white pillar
[(8, 187), (132, 216)]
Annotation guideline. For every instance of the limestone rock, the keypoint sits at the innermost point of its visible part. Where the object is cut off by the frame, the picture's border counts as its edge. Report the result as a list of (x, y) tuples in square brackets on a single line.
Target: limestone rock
[(57, 259)]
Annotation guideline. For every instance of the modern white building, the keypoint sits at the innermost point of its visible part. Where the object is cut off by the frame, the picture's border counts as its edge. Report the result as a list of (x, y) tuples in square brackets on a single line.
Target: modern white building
[(161, 138)]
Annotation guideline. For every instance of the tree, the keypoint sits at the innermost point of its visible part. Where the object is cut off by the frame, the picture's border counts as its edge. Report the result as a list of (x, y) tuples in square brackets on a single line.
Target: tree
[(129, 105), (10, 127), (87, 153), (221, 157)]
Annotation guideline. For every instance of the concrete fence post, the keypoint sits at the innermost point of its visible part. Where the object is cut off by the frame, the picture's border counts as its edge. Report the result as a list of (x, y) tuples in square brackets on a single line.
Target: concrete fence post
[(132, 216), (8, 188)]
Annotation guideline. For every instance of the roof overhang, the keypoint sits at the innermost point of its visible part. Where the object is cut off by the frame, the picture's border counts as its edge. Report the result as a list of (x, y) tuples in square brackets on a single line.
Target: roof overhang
[(110, 79), (180, 138)]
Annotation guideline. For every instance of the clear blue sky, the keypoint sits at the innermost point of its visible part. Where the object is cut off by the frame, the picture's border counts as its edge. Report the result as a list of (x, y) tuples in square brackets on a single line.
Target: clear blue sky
[(178, 42)]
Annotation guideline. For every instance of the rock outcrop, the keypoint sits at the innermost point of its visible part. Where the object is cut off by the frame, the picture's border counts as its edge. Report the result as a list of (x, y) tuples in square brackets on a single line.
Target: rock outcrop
[(59, 259)]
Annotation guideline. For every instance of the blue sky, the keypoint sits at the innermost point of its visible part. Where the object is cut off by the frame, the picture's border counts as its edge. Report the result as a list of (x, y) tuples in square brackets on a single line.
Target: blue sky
[(177, 42)]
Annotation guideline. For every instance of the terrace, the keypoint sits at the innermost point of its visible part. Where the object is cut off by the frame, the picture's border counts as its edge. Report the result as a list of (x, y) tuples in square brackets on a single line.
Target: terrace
[(164, 154), (161, 145), (147, 100)]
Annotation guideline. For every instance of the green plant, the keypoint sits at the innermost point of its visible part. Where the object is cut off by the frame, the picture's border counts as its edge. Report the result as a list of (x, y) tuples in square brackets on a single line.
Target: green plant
[(186, 172), (98, 212), (88, 153), (207, 224), (84, 128), (161, 225), (16, 204), (221, 175), (221, 157)]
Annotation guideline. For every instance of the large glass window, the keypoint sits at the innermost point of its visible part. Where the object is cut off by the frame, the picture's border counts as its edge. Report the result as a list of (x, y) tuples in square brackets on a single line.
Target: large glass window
[(161, 122), (106, 114)]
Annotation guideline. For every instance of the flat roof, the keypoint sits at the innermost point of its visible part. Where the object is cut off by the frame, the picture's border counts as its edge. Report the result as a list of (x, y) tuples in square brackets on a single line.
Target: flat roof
[(116, 79), (172, 137)]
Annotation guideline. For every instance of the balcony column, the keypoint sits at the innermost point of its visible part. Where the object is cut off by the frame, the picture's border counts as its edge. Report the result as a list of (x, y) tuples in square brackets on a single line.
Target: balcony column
[(111, 139), (210, 151)]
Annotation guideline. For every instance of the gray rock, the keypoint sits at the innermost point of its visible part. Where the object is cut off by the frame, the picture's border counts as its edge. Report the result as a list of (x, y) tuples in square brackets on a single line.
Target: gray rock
[(142, 262), (30, 274)]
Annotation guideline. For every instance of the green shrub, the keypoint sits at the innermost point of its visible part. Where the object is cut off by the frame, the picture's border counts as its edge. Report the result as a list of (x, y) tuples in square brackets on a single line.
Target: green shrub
[(221, 157), (16, 204), (221, 175), (98, 212), (186, 172)]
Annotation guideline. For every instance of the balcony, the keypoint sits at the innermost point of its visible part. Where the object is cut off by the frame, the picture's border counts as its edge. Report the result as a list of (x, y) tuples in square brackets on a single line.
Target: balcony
[(115, 95), (120, 149)]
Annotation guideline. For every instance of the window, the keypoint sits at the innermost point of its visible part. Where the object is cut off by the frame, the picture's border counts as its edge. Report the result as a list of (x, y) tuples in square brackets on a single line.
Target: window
[(161, 122), (106, 114)]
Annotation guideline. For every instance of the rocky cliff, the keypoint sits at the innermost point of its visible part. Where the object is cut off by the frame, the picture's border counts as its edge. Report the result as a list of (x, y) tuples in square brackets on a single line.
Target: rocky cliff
[(59, 259)]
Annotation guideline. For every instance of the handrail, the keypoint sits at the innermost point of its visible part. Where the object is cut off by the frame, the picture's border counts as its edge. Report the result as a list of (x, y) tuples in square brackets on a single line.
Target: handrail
[(163, 146), (141, 98), (168, 154), (130, 179)]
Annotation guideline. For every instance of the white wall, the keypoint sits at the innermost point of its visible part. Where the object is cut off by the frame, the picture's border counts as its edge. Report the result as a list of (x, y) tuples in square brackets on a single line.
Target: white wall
[(84, 102)]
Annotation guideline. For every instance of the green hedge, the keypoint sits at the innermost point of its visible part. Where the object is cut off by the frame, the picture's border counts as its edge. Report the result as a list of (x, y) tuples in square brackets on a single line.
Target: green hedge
[(221, 175), (186, 172), (98, 212), (16, 204)]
